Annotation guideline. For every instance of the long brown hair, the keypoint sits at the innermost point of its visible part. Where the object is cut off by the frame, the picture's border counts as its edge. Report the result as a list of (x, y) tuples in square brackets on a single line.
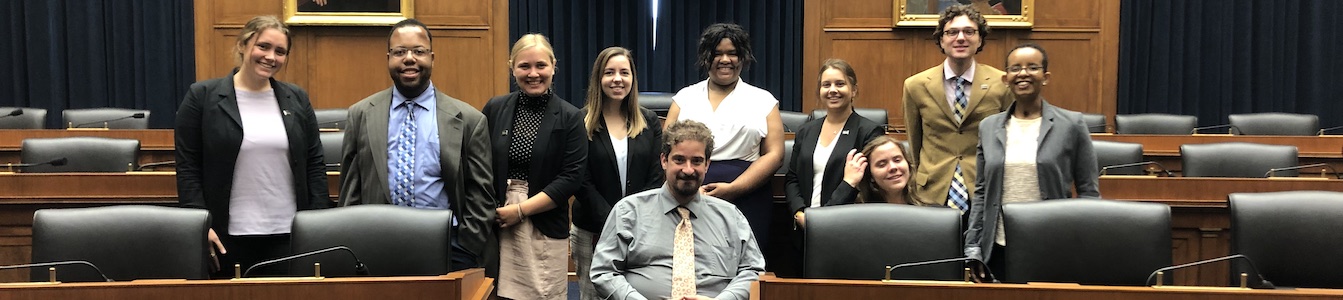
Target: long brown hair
[(634, 118), (869, 192)]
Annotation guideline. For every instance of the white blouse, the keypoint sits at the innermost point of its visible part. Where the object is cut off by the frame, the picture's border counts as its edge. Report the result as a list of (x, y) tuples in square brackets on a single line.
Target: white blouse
[(738, 125)]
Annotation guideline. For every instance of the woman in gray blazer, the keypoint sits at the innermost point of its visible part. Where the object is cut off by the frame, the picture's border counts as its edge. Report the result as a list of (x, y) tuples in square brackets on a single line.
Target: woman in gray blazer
[(1031, 152)]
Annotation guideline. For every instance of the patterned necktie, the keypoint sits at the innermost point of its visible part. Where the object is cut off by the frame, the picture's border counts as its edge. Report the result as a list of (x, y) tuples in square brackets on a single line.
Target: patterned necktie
[(683, 257), (404, 191), (957, 195), (961, 101)]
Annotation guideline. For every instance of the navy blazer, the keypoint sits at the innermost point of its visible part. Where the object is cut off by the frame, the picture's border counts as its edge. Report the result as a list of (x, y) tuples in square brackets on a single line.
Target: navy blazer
[(1064, 161), (602, 189), (558, 161), (209, 133), (856, 133)]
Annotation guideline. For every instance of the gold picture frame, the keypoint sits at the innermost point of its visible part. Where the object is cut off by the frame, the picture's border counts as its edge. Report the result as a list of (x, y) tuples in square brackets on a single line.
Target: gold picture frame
[(347, 12), (924, 13)]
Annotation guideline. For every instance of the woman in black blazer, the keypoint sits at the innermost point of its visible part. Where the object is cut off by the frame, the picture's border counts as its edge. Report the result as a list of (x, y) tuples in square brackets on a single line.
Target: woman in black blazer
[(540, 149), (840, 132), (232, 160), (624, 142)]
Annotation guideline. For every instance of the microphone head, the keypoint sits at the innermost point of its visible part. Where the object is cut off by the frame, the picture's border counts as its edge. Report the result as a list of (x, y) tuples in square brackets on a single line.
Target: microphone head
[(59, 162), (16, 112), (139, 115)]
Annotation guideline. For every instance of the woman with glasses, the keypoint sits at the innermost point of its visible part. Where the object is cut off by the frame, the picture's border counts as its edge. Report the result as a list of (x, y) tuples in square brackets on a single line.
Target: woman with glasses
[(1031, 152)]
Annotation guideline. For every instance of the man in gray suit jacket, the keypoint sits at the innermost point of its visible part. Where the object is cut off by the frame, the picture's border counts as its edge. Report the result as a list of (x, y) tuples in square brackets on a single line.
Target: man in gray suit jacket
[(414, 146)]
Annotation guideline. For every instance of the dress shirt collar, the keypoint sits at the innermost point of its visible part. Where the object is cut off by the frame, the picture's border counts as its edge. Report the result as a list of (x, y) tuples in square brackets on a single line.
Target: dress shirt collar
[(667, 204), (969, 75), (422, 100)]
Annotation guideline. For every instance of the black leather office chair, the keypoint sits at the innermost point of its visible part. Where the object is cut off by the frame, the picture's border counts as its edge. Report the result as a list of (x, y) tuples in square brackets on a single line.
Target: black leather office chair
[(1086, 241), (331, 144), (1247, 160), (787, 157), (1290, 236), (1115, 153), (83, 154), (31, 118), (857, 241), (1275, 124), (658, 102), (390, 240), (126, 242), (1095, 122), (875, 114), (1155, 124), (792, 121), (114, 118), (331, 118)]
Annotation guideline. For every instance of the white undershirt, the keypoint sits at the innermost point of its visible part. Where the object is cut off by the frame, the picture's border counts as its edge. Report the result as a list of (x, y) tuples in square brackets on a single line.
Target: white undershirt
[(819, 158), (622, 152), (1020, 181), (262, 198)]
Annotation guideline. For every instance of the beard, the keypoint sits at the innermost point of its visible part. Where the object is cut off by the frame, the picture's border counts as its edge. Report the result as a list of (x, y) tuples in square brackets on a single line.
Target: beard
[(685, 185)]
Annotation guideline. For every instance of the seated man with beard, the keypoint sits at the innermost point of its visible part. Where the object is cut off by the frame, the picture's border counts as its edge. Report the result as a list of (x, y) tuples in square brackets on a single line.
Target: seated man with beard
[(674, 241)]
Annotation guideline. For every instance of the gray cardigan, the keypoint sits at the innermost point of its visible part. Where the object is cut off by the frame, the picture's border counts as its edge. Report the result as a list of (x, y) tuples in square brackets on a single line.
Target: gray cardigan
[(1064, 161)]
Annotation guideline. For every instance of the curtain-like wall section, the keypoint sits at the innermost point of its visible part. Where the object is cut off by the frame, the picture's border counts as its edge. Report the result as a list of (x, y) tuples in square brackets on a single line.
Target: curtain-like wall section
[(1217, 57), (581, 29), (87, 54)]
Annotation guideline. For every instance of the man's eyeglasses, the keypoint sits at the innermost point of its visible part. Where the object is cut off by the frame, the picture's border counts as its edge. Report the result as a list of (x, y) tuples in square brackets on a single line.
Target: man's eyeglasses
[(1032, 69), (955, 31), (401, 52)]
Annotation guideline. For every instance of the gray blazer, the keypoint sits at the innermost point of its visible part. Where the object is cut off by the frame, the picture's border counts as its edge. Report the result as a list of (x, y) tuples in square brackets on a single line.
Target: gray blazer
[(1064, 161), (464, 155)]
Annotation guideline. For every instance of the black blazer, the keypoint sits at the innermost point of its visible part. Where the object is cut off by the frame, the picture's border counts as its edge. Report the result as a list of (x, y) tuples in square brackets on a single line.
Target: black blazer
[(856, 133), (558, 157), (209, 132), (601, 190)]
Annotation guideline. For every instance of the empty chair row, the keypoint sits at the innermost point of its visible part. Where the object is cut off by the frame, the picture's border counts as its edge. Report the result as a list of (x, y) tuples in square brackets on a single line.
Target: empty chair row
[(1244, 160), (1241, 124), (1087, 241), (150, 242), (114, 118)]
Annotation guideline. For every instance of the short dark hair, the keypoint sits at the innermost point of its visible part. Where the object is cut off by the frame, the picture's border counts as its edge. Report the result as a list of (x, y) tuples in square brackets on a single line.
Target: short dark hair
[(409, 23), (961, 10), (714, 34), (1044, 63), (687, 130)]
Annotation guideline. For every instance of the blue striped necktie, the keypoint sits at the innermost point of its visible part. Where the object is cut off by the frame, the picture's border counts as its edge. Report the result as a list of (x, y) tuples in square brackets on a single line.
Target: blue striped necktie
[(403, 189)]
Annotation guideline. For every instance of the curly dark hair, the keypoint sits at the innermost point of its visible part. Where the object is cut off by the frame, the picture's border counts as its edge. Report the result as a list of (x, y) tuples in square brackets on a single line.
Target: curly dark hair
[(961, 10), (714, 34)]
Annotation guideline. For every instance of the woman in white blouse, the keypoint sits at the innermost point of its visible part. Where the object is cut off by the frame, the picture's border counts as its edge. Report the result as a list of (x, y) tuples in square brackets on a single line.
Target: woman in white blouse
[(747, 129)]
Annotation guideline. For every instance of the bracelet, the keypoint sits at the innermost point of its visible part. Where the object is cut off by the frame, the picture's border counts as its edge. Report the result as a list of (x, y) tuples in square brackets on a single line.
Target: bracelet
[(520, 214)]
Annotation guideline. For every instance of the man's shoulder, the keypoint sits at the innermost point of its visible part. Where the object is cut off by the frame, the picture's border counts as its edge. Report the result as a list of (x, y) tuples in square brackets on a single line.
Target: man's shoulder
[(451, 104), (988, 70), (366, 103), (921, 77)]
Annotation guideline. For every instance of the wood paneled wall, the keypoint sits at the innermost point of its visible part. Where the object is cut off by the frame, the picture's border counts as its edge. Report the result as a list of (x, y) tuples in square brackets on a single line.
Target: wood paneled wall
[(1080, 36), (340, 65)]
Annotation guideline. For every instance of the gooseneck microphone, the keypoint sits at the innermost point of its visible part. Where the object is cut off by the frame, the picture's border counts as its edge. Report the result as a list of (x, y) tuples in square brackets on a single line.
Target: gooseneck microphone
[(359, 267), (1319, 165), (60, 263), (138, 115), (1157, 164), (15, 112), (54, 162), (1197, 129), (1263, 283), (965, 259), (1321, 132)]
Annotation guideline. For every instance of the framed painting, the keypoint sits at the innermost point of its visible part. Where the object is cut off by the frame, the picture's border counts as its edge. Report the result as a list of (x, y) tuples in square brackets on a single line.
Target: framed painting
[(1000, 13), (347, 12)]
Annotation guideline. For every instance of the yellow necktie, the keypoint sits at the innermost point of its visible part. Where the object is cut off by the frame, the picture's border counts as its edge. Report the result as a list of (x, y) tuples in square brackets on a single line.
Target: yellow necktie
[(683, 257)]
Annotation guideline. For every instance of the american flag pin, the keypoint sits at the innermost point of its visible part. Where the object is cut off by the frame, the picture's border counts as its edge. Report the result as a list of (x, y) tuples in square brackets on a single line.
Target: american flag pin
[(984, 86), (285, 111), (844, 132)]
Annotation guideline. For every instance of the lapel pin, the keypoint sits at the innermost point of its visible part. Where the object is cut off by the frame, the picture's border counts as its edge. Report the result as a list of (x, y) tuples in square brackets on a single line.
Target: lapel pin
[(505, 132), (984, 86), (284, 112), (844, 132)]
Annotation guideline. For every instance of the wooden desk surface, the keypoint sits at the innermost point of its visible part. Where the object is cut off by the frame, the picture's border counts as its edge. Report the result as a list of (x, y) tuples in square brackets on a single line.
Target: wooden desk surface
[(150, 139), (773, 288), (1325, 146), (1203, 191), (467, 284)]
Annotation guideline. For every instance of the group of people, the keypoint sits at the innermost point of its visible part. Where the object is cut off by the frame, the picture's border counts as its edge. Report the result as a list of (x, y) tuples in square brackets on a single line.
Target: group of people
[(660, 209)]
